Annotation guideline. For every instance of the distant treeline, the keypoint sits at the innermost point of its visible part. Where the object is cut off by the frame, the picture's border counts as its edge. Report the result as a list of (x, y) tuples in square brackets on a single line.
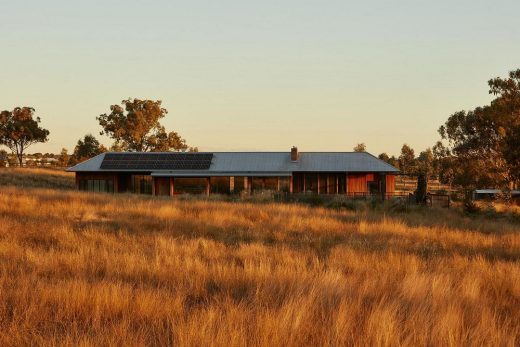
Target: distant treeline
[(478, 148)]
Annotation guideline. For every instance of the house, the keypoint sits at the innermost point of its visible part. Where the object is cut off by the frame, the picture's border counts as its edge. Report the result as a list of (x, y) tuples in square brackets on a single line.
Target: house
[(170, 173)]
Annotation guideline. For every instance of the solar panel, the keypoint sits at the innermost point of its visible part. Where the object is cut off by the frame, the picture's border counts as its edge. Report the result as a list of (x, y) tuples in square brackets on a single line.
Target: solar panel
[(156, 161)]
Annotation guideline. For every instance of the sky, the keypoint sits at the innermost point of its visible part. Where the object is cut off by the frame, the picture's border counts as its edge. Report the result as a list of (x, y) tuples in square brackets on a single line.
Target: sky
[(258, 75)]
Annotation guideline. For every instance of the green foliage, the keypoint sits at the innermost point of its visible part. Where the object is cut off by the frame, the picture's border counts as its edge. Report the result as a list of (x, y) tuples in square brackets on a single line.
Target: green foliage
[(19, 130), (484, 143), (63, 159), (87, 148), (390, 160), (426, 163), (384, 157), (360, 147), (407, 162), (471, 207), (135, 126)]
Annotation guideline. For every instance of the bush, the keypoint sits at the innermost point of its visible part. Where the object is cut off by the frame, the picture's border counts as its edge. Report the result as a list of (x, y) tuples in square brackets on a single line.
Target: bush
[(471, 207)]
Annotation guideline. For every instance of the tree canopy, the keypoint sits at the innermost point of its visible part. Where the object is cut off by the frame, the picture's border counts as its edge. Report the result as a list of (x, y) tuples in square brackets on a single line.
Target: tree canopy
[(64, 158), (407, 163), (483, 145), (360, 147), (384, 157), (426, 163), (19, 130), (135, 126), (87, 147)]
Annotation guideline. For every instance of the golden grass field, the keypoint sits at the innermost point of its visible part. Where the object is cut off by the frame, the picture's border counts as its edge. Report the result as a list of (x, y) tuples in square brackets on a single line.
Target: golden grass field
[(85, 269)]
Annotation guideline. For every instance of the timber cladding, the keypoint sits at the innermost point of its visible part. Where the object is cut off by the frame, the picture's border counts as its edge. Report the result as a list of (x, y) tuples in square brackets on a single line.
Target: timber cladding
[(390, 183), (357, 183)]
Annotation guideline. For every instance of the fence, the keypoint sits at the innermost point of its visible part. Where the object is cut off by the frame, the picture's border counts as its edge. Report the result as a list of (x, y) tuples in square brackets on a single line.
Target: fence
[(408, 183)]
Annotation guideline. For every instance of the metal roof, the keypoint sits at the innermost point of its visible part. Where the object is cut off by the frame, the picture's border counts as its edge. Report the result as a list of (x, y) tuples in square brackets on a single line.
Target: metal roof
[(264, 163), (218, 174), (494, 191)]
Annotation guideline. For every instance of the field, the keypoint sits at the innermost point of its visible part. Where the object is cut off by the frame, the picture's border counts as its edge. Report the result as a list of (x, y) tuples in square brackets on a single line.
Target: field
[(97, 269)]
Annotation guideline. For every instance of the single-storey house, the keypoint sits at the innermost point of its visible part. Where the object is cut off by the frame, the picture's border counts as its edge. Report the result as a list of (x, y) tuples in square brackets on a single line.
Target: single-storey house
[(170, 173)]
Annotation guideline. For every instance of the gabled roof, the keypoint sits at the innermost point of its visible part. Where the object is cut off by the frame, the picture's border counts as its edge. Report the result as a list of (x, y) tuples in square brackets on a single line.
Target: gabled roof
[(268, 163)]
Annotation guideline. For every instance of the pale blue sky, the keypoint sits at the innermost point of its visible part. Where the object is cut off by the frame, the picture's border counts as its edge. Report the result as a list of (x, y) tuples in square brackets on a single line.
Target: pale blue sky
[(258, 75)]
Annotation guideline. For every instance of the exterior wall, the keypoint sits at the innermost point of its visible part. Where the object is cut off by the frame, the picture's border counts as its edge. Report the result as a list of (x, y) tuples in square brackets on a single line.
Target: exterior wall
[(357, 183), (390, 184), (360, 183), (124, 182), (352, 184), (162, 186), (221, 185), (98, 176)]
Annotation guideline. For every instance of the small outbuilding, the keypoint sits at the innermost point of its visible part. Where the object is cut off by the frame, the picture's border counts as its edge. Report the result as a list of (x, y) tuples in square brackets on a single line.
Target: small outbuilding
[(492, 194)]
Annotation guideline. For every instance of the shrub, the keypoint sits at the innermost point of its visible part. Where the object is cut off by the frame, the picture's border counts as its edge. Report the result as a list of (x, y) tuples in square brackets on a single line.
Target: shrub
[(471, 207)]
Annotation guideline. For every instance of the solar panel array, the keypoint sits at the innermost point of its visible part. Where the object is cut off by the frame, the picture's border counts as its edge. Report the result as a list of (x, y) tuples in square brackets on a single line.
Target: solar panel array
[(156, 161)]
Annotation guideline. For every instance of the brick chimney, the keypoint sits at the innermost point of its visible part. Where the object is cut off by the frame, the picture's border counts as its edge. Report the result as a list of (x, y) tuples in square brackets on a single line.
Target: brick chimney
[(294, 153)]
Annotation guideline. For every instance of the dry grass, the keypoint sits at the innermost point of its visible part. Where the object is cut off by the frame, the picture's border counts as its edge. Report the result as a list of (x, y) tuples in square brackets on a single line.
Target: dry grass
[(36, 178), (94, 269)]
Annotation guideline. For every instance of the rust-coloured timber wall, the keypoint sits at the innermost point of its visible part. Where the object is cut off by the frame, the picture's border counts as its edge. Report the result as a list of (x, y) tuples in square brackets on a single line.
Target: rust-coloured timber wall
[(357, 183), (390, 183)]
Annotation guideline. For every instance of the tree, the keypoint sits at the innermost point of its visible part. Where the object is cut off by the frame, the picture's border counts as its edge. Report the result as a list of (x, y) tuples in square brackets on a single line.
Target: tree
[(506, 117), (87, 148), (407, 163), (393, 161), (360, 147), (426, 163), (19, 130), (390, 160), (484, 143), (444, 163), (135, 126), (384, 157), (63, 159)]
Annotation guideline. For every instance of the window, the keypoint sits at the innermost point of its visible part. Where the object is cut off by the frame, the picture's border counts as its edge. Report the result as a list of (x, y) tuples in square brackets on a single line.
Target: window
[(103, 186), (220, 185), (141, 184), (238, 184), (322, 183), (311, 182), (190, 185), (373, 187), (285, 183), (271, 183)]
